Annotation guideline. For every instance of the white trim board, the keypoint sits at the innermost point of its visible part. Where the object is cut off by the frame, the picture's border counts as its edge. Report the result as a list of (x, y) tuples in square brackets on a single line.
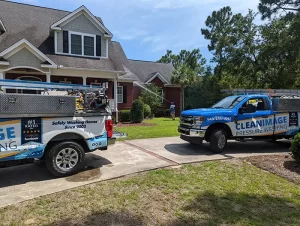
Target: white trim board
[(159, 76), (23, 43), (2, 25), (74, 14)]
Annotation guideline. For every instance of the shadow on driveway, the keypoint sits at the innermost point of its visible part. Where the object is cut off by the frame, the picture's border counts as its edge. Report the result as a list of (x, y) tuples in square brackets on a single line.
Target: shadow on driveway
[(232, 148), (23, 174)]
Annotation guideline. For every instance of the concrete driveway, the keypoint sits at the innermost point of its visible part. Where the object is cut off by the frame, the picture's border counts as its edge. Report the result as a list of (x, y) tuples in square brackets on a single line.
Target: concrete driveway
[(25, 182)]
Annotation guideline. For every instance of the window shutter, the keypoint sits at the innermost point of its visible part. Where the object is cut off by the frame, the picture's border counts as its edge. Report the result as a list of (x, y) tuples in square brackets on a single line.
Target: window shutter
[(113, 92), (98, 45), (124, 94), (65, 41)]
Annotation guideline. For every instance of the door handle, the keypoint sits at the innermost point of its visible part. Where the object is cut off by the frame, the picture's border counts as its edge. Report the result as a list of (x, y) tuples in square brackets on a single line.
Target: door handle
[(265, 116)]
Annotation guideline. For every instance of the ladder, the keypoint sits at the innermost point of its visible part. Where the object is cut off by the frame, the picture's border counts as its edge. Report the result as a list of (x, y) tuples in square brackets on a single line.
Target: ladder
[(20, 84), (271, 92)]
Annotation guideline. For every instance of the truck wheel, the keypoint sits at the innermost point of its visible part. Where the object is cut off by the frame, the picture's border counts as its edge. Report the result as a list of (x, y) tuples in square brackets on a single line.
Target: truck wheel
[(218, 141), (65, 158)]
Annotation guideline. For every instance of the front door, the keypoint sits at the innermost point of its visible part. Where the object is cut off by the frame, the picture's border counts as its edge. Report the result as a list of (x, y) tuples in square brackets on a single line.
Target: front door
[(256, 119)]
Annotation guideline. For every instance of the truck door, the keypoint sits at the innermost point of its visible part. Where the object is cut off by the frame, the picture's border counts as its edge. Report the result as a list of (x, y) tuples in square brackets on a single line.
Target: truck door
[(254, 118)]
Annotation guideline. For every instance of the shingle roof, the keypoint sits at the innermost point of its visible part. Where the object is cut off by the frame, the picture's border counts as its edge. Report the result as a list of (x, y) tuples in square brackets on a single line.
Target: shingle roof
[(146, 69), (33, 23)]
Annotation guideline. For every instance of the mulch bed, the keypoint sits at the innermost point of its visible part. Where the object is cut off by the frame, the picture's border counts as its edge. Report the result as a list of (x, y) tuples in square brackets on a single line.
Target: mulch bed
[(124, 124), (281, 165)]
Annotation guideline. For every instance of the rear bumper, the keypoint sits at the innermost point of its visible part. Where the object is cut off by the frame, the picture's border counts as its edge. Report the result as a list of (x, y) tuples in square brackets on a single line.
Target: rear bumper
[(111, 141)]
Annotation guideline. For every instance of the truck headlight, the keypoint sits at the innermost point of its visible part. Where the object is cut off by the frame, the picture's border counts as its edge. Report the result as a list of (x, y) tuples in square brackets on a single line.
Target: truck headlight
[(198, 120)]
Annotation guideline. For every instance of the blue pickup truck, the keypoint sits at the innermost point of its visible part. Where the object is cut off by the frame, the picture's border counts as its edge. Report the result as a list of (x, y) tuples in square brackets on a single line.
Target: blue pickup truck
[(239, 117)]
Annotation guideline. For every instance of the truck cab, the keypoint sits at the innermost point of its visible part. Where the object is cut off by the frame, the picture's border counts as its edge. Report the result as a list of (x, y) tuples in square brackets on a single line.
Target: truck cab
[(239, 117)]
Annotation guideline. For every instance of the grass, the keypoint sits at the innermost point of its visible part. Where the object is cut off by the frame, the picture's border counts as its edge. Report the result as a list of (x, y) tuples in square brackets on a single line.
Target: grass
[(165, 127), (212, 193)]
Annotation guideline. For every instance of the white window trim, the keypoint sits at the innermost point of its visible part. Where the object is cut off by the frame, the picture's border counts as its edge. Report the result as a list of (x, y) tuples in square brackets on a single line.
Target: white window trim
[(162, 95), (82, 43), (82, 34), (119, 102)]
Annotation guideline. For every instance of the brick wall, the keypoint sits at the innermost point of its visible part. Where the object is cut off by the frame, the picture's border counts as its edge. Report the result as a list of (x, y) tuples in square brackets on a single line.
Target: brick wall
[(173, 95)]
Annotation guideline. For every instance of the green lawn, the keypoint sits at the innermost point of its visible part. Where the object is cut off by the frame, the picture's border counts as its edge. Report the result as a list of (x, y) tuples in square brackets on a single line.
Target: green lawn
[(165, 127), (212, 193)]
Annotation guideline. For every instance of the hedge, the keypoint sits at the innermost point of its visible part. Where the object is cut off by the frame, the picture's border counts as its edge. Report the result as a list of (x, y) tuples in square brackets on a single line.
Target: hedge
[(124, 116), (137, 111), (160, 113), (295, 148)]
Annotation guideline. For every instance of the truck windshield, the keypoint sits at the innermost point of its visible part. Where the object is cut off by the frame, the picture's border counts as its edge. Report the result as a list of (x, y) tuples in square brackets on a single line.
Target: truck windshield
[(229, 102)]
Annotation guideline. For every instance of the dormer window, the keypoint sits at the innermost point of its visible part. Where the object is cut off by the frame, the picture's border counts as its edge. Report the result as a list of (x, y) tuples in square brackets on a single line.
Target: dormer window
[(82, 44)]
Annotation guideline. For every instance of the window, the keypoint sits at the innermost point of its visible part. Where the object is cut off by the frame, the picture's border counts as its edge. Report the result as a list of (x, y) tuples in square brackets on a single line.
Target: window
[(120, 94), (89, 47), (161, 94), (76, 47), (256, 104), (82, 44)]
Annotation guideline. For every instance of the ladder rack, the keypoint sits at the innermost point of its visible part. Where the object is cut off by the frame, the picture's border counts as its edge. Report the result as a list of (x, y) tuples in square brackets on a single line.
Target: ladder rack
[(271, 92), (19, 84)]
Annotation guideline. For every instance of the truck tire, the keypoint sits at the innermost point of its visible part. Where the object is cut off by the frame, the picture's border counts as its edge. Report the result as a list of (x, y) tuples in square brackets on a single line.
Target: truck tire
[(65, 158), (218, 140)]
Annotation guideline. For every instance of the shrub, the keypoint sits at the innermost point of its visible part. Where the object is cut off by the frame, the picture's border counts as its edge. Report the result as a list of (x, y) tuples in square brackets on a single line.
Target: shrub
[(137, 111), (295, 148), (160, 112), (124, 116), (168, 112), (147, 111)]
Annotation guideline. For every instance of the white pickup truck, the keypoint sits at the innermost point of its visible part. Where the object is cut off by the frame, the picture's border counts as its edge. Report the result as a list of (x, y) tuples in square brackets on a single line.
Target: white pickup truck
[(58, 129)]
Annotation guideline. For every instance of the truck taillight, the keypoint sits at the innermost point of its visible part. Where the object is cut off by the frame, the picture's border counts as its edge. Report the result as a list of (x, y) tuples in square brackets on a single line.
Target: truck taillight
[(109, 128)]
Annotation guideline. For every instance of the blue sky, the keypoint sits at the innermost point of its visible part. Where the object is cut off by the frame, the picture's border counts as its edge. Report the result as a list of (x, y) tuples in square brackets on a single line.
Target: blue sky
[(147, 28)]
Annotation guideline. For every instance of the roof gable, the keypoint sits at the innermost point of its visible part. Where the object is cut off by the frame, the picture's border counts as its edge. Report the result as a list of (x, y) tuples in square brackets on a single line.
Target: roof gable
[(157, 75), (7, 53), (81, 11)]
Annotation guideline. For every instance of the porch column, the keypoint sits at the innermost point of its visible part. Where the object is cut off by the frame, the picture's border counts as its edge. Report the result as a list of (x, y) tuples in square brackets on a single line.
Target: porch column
[(116, 98), (84, 80), (48, 77), (2, 76)]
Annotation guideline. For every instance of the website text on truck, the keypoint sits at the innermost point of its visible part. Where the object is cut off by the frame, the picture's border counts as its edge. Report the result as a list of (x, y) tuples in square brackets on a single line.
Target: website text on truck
[(255, 116), (59, 125)]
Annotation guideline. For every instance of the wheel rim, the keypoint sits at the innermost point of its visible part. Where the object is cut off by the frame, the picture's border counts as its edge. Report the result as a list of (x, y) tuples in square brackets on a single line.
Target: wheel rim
[(222, 141), (66, 159)]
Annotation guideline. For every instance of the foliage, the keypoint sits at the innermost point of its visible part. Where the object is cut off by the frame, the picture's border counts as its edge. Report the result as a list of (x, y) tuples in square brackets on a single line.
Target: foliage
[(270, 7), (147, 111), (168, 112), (137, 111), (124, 116), (154, 101), (295, 148), (188, 66), (161, 112)]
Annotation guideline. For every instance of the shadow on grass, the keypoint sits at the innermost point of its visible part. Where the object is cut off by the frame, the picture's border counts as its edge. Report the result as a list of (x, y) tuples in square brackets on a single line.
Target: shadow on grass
[(240, 209), (207, 209)]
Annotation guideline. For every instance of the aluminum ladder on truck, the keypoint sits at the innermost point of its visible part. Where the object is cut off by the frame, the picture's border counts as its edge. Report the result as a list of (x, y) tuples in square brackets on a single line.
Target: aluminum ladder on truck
[(292, 93)]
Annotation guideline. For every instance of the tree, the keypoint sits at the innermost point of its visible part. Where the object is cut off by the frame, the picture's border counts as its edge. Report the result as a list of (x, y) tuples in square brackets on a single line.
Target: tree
[(188, 65), (270, 7), (151, 97)]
